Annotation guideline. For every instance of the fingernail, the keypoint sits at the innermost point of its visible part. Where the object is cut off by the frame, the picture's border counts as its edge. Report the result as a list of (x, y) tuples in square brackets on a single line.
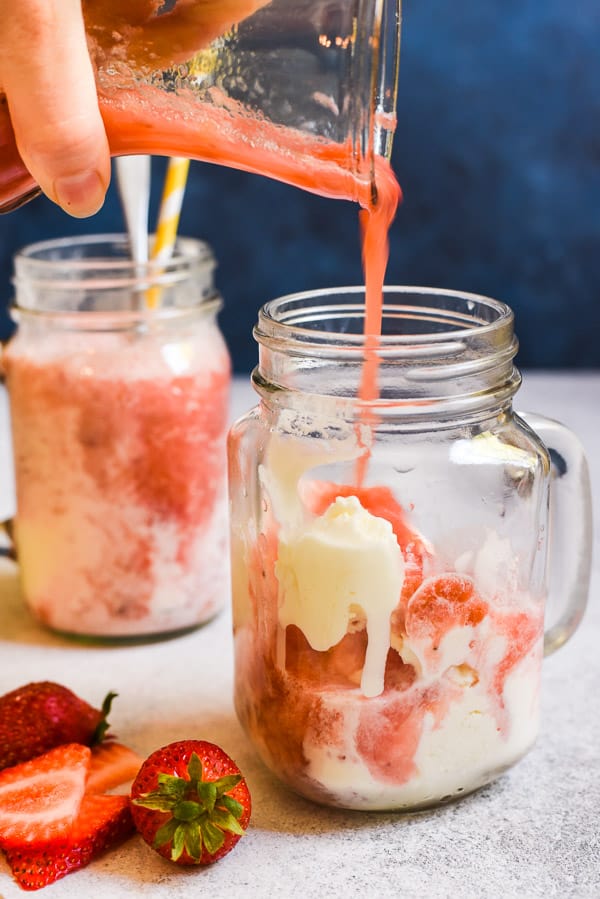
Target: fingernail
[(80, 195)]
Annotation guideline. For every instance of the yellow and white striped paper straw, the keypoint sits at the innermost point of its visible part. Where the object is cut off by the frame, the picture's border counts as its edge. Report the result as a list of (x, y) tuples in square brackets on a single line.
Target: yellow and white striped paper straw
[(168, 218)]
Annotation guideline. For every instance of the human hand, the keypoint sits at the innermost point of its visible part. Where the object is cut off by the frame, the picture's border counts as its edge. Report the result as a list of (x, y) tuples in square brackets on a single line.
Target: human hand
[(47, 76)]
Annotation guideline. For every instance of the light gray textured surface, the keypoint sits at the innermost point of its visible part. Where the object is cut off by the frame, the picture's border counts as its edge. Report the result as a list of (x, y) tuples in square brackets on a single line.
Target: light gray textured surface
[(534, 833)]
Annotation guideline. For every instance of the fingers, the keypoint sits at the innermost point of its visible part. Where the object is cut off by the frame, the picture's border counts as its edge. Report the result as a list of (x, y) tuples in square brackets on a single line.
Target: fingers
[(46, 73)]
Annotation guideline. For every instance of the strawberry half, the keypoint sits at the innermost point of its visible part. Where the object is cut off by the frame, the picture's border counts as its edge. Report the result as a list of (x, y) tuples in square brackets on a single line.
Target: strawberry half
[(102, 822), (40, 798), (112, 765), (40, 716), (190, 802)]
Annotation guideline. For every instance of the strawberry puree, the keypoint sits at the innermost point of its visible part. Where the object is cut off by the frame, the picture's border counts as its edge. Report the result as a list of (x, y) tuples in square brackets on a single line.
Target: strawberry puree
[(142, 118), (225, 136), (132, 47), (459, 699), (313, 164), (121, 482)]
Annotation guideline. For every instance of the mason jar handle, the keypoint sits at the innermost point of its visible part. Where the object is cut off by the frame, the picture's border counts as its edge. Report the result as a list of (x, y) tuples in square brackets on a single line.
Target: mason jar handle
[(571, 538)]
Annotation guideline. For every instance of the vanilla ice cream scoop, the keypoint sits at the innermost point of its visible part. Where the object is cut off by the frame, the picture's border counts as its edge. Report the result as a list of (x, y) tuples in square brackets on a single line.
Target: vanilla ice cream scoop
[(343, 560)]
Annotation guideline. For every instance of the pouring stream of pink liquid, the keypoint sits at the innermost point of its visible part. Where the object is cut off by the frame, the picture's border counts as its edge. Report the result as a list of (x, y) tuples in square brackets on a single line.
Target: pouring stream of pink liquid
[(142, 119)]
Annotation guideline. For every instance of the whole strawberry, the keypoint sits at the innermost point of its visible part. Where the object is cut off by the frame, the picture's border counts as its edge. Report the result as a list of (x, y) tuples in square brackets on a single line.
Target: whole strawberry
[(190, 802), (40, 716)]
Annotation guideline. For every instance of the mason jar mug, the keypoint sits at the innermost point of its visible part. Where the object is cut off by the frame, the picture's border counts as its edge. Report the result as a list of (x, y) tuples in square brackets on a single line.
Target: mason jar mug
[(118, 379), (391, 548)]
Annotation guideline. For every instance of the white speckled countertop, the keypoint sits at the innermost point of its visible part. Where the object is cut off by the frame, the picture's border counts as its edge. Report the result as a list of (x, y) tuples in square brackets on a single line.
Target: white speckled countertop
[(534, 833)]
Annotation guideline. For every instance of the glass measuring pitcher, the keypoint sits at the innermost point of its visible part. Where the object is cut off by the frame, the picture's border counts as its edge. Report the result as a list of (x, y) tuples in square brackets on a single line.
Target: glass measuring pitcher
[(304, 92), (390, 618)]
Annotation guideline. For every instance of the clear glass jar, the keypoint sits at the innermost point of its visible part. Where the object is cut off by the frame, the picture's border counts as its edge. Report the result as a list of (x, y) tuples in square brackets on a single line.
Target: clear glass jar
[(389, 555), (119, 416), (303, 92)]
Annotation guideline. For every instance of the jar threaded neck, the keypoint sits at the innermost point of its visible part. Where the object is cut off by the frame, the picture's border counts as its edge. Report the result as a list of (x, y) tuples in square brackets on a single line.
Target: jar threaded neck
[(441, 353)]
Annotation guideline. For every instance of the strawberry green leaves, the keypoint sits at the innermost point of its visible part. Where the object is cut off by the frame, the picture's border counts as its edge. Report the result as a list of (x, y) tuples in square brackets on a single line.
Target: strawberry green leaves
[(204, 820)]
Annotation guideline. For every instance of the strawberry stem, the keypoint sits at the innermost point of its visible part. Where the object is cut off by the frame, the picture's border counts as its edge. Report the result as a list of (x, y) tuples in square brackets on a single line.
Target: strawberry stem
[(103, 724)]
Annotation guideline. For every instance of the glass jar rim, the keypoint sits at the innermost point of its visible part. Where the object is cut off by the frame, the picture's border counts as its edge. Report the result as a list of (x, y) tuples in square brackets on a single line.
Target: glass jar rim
[(90, 282), (444, 355), (294, 321), (56, 263)]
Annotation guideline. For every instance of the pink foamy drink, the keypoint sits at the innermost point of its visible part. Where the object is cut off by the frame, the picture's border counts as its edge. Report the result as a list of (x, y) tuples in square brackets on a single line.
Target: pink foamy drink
[(119, 415)]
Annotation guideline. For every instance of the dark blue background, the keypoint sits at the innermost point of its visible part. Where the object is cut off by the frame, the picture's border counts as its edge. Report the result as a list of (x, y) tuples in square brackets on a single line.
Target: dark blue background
[(498, 152)]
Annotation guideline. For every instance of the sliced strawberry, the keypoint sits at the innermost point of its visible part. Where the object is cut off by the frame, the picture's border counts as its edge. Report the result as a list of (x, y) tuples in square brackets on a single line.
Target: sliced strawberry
[(40, 799), (113, 765), (102, 822)]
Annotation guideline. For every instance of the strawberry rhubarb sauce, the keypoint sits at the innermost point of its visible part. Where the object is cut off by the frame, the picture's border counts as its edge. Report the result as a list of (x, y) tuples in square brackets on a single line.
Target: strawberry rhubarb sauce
[(373, 669), (120, 464)]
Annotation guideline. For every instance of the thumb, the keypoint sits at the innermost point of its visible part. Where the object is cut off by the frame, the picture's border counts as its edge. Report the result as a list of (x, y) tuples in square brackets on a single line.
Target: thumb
[(47, 75)]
